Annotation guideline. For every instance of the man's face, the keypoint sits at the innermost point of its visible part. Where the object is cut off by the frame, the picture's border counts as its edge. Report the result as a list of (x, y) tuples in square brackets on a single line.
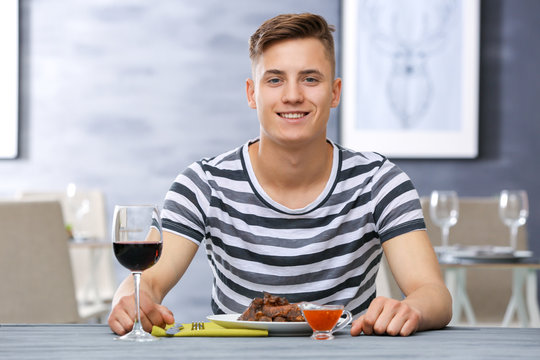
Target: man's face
[(293, 90)]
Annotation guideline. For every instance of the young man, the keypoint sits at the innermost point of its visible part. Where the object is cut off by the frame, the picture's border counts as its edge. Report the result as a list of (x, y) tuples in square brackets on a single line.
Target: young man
[(292, 213)]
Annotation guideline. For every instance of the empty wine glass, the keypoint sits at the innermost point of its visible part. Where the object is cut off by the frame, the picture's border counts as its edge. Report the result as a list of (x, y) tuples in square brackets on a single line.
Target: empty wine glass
[(78, 213), (513, 211), (444, 211), (137, 242)]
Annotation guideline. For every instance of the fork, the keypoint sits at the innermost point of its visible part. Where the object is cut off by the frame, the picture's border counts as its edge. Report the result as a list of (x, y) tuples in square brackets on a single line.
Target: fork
[(174, 329), (197, 325)]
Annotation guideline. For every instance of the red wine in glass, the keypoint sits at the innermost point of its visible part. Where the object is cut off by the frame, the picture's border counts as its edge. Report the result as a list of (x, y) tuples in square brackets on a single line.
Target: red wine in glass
[(137, 245), (137, 256)]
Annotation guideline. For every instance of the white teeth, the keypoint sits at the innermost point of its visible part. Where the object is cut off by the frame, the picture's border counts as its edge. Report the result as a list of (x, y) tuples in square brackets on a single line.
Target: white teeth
[(292, 115)]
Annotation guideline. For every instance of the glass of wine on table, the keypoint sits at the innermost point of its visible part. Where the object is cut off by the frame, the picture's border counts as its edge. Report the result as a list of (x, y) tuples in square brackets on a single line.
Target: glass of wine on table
[(137, 243)]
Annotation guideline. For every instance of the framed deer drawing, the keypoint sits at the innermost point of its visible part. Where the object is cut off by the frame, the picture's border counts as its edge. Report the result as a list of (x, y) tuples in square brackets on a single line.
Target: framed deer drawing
[(410, 77), (9, 78)]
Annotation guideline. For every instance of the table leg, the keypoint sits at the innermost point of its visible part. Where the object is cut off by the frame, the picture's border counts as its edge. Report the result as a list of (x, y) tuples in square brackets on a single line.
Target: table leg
[(532, 299), (456, 282), (450, 278), (96, 255), (462, 280), (516, 303)]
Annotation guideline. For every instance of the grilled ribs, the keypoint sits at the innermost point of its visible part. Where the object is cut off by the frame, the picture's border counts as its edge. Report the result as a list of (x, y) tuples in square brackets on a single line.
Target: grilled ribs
[(272, 308)]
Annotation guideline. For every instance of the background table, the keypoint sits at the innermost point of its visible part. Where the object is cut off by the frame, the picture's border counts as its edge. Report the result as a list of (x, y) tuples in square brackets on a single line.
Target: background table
[(524, 281), (97, 342)]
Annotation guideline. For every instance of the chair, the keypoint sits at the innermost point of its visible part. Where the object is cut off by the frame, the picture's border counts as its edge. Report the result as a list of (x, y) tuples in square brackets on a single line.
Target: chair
[(478, 224), (92, 258), (37, 283), (84, 210)]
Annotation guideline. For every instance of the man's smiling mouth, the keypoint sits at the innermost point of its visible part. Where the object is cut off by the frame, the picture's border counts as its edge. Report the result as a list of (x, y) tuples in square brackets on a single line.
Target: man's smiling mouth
[(292, 115)]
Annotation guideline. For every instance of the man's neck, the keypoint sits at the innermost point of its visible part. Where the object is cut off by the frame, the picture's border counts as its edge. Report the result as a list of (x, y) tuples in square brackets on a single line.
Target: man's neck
[(293, 176)]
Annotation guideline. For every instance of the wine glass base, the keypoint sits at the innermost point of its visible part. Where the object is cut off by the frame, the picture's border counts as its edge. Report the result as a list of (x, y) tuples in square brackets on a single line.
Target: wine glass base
[(138, 336)]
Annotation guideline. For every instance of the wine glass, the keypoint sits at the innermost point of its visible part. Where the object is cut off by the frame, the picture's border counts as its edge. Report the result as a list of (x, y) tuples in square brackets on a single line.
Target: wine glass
[(444, 211), (79, 213), (137, 242), (513, 211)]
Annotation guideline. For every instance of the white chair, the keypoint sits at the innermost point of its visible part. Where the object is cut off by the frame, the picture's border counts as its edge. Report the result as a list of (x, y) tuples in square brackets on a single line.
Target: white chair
[(37, 282)]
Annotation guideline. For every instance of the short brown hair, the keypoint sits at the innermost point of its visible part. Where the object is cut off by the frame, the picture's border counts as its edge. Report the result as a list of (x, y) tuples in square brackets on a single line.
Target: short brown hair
[(293, 26)]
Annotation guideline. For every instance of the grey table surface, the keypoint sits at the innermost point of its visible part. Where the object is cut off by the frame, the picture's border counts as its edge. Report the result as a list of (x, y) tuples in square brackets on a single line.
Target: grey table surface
[(97, 342)]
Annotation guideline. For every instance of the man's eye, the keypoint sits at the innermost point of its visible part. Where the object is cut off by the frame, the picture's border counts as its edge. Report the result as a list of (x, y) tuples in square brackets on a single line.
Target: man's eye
[(311, 80), (274, 81)]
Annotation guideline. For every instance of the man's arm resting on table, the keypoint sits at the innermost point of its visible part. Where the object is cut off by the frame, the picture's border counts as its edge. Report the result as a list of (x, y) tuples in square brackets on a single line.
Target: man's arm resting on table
[(156, 282), (427, 305)]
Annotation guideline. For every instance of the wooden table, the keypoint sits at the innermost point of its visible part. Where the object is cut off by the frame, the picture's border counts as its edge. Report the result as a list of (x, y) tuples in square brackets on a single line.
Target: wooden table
[(97, 342)]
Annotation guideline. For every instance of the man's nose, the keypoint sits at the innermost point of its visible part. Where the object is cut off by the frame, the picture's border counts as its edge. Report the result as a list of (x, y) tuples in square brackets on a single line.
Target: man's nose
[(292, 93)]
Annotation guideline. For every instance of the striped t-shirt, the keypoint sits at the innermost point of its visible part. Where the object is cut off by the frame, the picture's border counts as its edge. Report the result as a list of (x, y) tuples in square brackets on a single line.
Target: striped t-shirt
[(327, 252)]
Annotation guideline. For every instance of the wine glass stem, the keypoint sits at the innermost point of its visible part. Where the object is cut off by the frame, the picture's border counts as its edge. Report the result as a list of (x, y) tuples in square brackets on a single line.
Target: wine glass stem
[(444, 237), (137, 280), (513, 236)]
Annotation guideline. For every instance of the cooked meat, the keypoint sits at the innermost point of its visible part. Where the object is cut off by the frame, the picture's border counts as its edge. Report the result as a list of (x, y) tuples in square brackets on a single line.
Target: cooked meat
[(253, 311), (272, 308)]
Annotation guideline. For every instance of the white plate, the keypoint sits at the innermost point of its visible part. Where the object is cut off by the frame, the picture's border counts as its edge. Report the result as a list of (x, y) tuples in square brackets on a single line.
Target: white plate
[(230, 321)]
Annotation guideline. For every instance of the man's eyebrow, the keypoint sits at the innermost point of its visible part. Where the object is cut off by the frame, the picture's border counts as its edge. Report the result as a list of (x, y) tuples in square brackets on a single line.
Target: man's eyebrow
[(302, 73), (312, 72), (273, 72)]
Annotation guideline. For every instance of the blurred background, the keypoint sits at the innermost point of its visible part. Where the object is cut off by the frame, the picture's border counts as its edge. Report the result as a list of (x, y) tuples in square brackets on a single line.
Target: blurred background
[(122, 95)]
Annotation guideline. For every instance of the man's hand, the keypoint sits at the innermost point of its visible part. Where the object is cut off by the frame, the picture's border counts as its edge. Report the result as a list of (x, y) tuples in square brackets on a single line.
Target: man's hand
[(387, 316), (123, 314), (156, 282)]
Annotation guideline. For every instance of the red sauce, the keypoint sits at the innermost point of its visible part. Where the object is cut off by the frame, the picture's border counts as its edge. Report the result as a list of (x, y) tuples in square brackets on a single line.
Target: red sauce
[(322, 319)]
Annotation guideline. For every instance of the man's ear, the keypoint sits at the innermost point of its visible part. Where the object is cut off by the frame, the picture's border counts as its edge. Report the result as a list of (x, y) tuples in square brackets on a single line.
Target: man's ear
[(250, 92), (336, 92)]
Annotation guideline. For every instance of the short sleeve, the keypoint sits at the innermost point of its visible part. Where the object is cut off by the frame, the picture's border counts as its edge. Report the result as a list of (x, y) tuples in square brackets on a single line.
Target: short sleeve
[(397, 209), (184, 208)]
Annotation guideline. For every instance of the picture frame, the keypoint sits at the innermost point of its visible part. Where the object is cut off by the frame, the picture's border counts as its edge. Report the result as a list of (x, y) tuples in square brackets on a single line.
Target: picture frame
[(9, 79), (410, 77)]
